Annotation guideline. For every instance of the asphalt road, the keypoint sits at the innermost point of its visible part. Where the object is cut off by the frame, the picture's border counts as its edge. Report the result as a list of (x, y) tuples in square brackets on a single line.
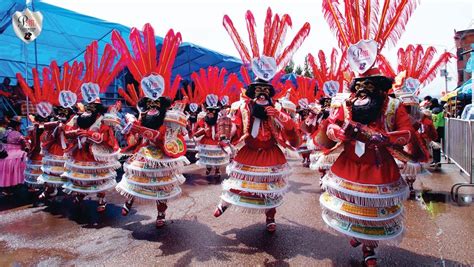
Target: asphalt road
[(439, 233)]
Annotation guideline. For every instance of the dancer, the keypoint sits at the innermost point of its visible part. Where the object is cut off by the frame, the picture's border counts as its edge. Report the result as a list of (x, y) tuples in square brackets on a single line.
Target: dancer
[(257, 176), (93, 151), (212, 146), (53, 141), (41, 96), (154, 171)]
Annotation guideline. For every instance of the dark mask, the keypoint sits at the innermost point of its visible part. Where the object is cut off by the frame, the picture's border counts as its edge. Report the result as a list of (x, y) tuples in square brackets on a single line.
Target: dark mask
[(258, 111), (155, 113), (367, 105), (211, 119)]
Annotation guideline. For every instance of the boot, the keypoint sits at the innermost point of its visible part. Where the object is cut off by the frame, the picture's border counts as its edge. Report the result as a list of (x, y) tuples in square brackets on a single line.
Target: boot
[(127, 206), (102, 202), (219, 210), (370, 259), (270, 220), (161, 206)]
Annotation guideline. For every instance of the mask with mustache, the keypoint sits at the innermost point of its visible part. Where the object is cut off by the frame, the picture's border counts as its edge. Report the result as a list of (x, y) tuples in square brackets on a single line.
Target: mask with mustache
[(367, 104), (258, 110), (154, 112), (92, 112), (211, 120)]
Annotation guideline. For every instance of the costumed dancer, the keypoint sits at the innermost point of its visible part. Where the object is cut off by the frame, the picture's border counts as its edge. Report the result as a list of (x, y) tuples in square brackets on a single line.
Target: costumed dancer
[(215, 127), (192, 110), (257, 176), (306, 115), (411, 80), (154, 171), (41, 96), (53, 141), (364, 188), (331, 80), (93, 151), (285, 102)]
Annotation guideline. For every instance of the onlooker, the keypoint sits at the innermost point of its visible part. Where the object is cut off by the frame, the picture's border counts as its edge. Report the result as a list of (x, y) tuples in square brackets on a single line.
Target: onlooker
[(468, 112), (12, 167), (426, 102), (438, 122), (6, 92)]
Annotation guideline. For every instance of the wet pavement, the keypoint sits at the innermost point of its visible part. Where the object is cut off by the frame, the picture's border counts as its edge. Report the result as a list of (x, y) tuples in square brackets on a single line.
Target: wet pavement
[(439, 232)]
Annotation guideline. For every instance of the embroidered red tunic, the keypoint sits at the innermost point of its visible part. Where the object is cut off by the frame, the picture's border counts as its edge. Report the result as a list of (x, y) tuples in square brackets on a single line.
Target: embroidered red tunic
[(364, 169)]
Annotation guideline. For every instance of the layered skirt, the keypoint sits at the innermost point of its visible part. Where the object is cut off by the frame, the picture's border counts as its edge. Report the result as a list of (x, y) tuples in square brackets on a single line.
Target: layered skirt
[(53, 167), (151, 175), (33, 172), (257, 177), (89, 177), (211, 154), (368, 212)]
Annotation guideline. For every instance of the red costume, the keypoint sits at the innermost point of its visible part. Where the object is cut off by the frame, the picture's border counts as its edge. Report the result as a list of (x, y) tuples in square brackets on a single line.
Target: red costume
[(93, 151), (39, 95), (154, 170), (257, 176)]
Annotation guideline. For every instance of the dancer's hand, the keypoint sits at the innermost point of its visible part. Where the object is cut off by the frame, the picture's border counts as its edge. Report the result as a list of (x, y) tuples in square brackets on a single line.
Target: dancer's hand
[(271, 111)]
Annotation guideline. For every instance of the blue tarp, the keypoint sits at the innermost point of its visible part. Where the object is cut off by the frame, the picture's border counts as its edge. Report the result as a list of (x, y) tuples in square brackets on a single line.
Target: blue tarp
[(66, 34)]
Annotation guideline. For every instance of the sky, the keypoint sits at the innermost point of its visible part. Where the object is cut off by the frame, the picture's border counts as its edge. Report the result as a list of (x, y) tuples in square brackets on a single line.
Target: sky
[(200, 22)]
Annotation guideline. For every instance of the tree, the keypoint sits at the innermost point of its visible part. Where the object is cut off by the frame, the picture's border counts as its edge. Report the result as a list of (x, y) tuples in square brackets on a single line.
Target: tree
[(306, 69), (298, 70), (290, 67)]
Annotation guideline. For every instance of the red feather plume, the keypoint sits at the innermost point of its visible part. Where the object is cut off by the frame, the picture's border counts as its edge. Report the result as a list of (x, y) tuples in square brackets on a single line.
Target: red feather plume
[(363, 19), (273, 39), (144, 62)]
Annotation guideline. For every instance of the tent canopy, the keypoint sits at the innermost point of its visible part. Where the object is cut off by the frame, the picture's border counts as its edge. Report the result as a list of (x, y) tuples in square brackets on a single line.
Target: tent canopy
[(65, 35)]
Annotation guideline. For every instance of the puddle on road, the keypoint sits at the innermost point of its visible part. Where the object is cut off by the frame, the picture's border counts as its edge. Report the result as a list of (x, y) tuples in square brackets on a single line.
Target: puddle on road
[(434, 203), (30, 256)]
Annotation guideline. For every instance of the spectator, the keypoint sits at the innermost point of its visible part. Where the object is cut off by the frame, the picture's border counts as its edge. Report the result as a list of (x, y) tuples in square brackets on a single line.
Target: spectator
[(426, 102), (438, 122), (13, 165), (468, 112), (6, 92)]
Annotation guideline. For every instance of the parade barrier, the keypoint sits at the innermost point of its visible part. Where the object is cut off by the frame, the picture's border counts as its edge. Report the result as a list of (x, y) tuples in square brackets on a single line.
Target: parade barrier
[(460, 150)]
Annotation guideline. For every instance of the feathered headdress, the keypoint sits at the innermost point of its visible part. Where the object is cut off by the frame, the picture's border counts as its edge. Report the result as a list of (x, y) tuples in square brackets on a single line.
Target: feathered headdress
[(99, 75), (42, 94), (306, 91), (66, 85), (363, 20), (154, 77), (213, 88), (331, 78), (417, 63), (272, 58)]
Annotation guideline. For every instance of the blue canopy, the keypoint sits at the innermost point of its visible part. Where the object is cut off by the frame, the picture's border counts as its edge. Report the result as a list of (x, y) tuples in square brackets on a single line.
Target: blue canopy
[(65, 35)]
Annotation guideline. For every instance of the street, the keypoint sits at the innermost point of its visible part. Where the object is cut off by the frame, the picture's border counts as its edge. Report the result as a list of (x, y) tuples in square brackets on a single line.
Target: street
[(439, 233)]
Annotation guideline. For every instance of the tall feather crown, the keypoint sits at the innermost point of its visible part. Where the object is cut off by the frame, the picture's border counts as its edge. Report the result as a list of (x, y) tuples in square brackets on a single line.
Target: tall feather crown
[(154, 76), (67, 85), (329, 75), (99, 73), (418, 66), (212, 82), (360, 20), (42, 93), (266, 64)]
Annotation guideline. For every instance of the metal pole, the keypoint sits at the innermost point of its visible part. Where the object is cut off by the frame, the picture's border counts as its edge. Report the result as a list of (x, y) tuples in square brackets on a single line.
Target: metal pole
[(36, 46), (446, 75), (26, 77)]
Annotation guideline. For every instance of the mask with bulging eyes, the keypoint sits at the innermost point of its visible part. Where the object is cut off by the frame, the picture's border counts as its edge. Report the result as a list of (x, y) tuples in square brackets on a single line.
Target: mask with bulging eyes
[(153, 111), (63, 114)]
